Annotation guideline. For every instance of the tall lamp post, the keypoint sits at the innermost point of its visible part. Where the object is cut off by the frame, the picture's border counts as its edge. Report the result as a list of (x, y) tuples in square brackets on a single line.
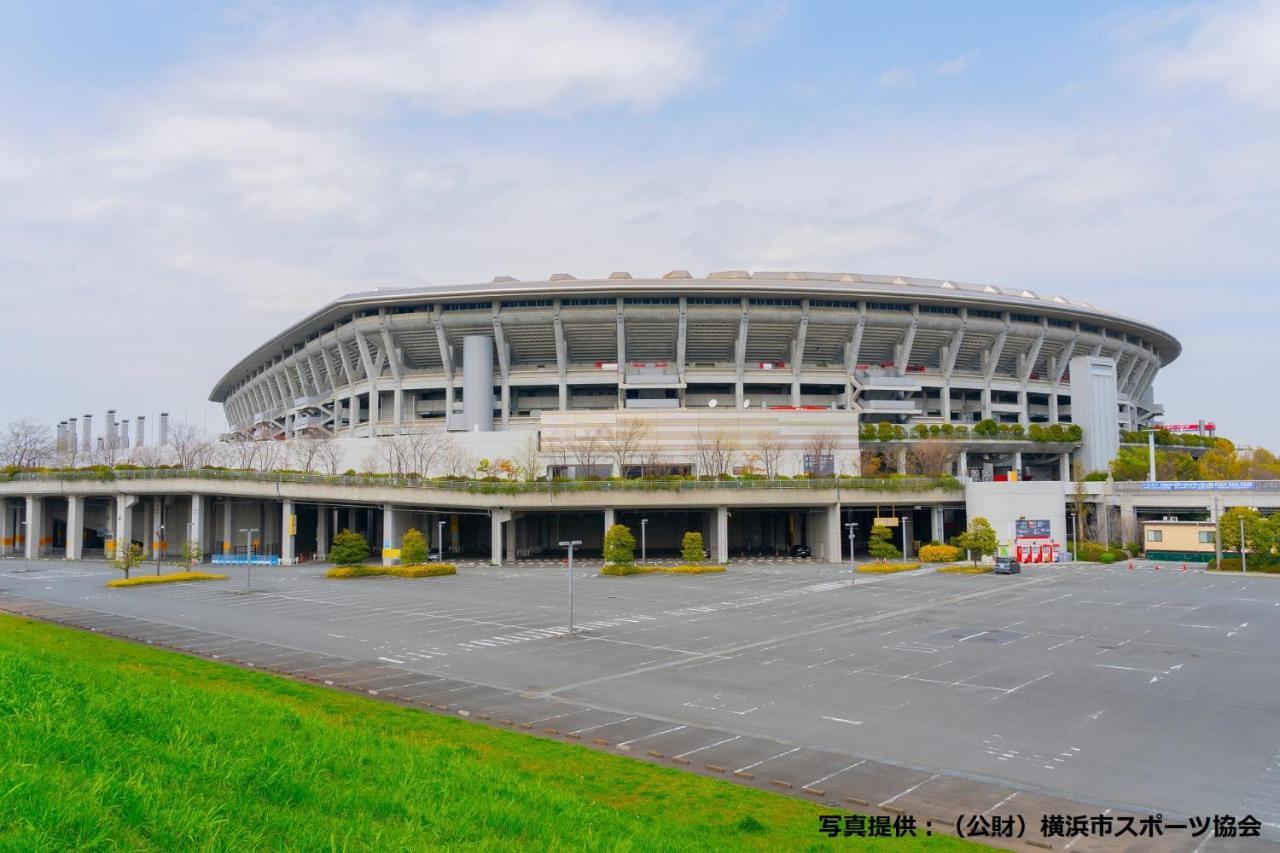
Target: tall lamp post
[(852, 527), (569, 544), (440, 541), (1075, 537), (644, 522), (904, 520), (1244, 561), (26, 532), (156, 546), (248, 545)]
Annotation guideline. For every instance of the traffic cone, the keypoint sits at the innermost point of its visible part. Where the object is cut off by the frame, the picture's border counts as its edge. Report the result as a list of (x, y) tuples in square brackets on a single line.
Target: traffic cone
[(1184, 567), (1157, 567), (1131, 565)]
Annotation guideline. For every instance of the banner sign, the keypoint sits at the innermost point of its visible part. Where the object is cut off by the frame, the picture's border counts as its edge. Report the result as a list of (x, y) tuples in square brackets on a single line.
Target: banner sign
[(1198, 486), (1032, 528)]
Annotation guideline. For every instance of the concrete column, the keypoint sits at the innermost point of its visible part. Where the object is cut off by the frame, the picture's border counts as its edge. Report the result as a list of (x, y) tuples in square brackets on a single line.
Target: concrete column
[(1064, 467), (495, 537), (124, 521), (228, 544), (609, 518), (35, 526), (511, 539), (158, 530), (722, 535), (74, 528), (937, 525), (477, 383), (397, 404), (353, 413), (195, 524), (322, 532), (390, 536), (6, 532), (963, 461), (288, 527), (986, 403), (832, 535), (1017, 463)]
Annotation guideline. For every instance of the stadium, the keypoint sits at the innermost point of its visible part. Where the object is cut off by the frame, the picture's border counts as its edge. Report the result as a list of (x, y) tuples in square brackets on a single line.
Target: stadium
[(789, 354)]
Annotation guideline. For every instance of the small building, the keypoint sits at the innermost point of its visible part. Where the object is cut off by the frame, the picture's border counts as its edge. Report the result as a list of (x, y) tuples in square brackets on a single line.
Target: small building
[(1188, 541)]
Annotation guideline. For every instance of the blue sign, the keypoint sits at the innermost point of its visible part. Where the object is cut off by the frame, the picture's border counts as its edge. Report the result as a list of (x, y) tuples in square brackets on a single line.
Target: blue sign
[(1199, 486), (1032, 528)]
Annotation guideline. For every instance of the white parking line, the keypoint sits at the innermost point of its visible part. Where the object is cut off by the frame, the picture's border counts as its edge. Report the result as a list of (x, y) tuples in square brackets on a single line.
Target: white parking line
[(764, 760), (708, 746), (601, 726), (655, 734), (837, 773), (909, 790)]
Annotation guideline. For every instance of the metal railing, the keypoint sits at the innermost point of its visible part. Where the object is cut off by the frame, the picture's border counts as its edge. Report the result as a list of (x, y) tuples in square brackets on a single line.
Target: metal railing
[(886, 484)]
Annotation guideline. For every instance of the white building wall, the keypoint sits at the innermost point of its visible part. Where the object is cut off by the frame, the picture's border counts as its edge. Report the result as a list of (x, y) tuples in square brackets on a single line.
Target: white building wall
[(1003, 503)]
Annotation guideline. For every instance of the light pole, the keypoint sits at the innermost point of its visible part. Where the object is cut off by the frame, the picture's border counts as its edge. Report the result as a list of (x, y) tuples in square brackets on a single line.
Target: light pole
[(27, 532), (1075, 537), (904, 535), (248, 546), (156, 546), (1244, 561), (1217, 532), (569, 544), (644, 522), (852, 527), (440, 541)]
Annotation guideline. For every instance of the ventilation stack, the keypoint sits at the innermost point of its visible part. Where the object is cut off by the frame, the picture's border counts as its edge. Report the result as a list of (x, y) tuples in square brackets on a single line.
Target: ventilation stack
[(87, 446), (123, 443), (140, 431), (61, 440), (73, 437), (110, 433), (164, 429)]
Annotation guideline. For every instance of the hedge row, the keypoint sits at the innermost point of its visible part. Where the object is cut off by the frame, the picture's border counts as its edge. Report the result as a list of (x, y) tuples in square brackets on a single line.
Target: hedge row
[(939, 553), (172, 577), (888, 568), (421, 570), (624, 569)]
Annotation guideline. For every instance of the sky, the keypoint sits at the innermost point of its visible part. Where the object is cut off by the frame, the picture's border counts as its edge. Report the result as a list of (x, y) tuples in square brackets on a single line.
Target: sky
[(179, 182)]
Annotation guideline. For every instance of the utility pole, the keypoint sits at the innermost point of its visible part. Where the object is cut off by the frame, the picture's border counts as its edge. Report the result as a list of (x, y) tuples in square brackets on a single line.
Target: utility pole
[(644, 522), (248, 545), (852, 527), (1217, 531), (1244, 561), (440, 541), (569, 544)]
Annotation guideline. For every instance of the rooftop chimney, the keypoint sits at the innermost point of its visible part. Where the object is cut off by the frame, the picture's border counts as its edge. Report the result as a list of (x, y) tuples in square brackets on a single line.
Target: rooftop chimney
[(88, 433), (140, 431), (164, 429)]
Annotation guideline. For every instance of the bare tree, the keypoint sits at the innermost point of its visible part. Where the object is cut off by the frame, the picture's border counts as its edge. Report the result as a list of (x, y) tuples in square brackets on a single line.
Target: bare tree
[(870, 463), (587, 447), (624, 440), (240, 453), (456, 461), (819, 452), (148, 456), (328, 454), (27, 444), (526, 459), (930, 458), (191, 447), (770, 450), (303, 454), (716, 453), (557, 448)]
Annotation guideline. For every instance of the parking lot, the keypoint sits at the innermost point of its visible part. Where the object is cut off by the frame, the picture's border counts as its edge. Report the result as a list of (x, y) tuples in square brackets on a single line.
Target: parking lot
[(1125, 688)]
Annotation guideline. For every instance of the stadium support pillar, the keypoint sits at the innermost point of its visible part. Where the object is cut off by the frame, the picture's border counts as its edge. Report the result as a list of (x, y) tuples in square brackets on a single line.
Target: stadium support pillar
[(390, 535), (124, 521), (946, 403), (288, 528), (609, 518), (35, 527), (986, 402), (1017, 463), (6, 534), (75, 527), (722, 535), (511, 538), (1064, 467), (227, 541), (831, 535), (157, 526), (496, 517), (962, 464), (398, 405), (322, 532), (195, 524), (937, 527)]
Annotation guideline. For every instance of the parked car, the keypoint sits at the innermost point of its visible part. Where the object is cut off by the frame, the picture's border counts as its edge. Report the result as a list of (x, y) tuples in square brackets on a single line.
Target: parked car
[(1007, 566), (801, 551)]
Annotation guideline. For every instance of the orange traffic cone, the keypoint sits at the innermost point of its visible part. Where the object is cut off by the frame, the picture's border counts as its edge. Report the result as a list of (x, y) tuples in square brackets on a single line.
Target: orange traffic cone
[(1157, 567), (1131, 565), (1184, 567)]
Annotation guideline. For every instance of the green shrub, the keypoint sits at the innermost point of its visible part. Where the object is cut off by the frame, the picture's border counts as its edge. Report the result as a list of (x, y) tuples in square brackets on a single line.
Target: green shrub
[(979, 539), (348, 549), (691, 549), (619, 545), (1106, 557), (620, 569), (1090, 552), (422, 570), (962, 569), (880, 544), (413, 548), (934, 553), (888, 568)]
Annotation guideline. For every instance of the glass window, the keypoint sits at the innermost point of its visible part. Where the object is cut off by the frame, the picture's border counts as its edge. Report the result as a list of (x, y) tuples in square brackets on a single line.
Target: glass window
[(1155, 535), (1206, 537)]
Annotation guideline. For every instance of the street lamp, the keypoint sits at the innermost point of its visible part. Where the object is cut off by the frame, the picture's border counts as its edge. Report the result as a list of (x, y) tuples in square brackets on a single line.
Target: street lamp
[(852, 527), (156, 546), (1244, 561), (644, 522), (904, 521), (248, 546), (440, 541), (569, 544), (25, 565), (1075, 537)]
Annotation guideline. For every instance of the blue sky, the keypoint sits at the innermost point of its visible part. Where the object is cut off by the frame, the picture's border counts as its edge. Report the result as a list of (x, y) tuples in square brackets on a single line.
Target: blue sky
[(180, 181)]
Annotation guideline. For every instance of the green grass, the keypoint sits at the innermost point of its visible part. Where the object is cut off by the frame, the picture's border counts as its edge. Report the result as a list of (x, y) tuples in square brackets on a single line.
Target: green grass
[(111, 745)]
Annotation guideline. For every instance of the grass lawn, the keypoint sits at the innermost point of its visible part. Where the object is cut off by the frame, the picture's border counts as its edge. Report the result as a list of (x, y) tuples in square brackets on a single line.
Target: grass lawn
[(106, 744)]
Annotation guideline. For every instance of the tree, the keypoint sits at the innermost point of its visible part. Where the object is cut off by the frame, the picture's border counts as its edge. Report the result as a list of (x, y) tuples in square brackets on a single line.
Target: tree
[(619, 545), (880, 544), (623, 441), (819, 454), (716, 453), (930, 458), (27, 444), (1079, 494), (328, 454), (691, 548), (769, 450), (1259, 533), (127, 558), (526, 459), (1220, 464), (979, 539), (870, 463), (304, 454), (191, 447), (348, 549), (587, 447), (413, 548), (191, 554)]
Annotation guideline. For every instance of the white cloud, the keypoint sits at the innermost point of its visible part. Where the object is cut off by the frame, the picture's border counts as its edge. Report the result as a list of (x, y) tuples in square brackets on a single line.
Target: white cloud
[(1233, 48), (555, 56), (956, 66), (896, 76)]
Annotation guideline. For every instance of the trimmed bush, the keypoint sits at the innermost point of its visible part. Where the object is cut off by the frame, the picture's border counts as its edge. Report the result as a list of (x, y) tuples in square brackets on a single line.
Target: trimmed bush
[(880, 544), (619, 545), (888, 568), (617, 570), (1090, 552), (1106, 557), (413, 548), (933, 553), (691, 548), (421, 570), (348, 549), (172, 577), (965, 570)]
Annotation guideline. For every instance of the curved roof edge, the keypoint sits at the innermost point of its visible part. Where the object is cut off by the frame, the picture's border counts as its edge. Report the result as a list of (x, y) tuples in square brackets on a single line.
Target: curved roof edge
[(836, 284)]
